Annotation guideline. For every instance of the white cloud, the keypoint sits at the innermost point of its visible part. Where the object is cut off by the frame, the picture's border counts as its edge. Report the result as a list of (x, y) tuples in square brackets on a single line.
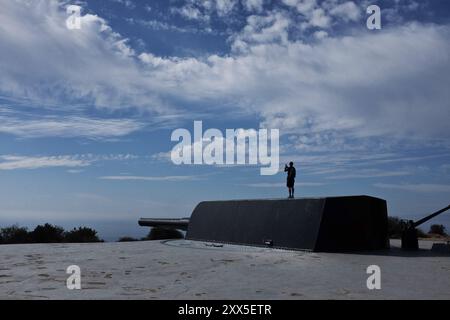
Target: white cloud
[(365, 85), (95, 63), (190, 12), (388, 84), (347, 11), (320, 19), (320, 34), (303, 6), (66, 127), (313, 13), (224, 7), (253, 5), (262, 30), (149, 178), (420, 187), (280, 185), (74, 171), (158, 25), (202, 10), (127, 3), (19, 162), (370, 173), (14, 162), (353, 84)]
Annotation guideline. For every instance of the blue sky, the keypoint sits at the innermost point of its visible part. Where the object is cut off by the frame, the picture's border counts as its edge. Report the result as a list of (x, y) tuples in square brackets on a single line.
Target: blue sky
[(86, 115)]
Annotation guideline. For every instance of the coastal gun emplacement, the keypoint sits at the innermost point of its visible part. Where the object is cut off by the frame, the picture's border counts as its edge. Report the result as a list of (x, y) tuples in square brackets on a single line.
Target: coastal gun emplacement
[(330, 224), (333, 224), (409, 234)]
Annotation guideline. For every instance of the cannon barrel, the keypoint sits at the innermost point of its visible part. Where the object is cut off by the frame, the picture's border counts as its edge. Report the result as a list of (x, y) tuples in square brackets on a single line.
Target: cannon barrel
[(409, 236), (181, 224), (431, 216)]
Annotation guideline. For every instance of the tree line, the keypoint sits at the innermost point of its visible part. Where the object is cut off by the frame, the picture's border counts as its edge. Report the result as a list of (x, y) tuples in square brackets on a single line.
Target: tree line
[(47, 233), (397, 225)]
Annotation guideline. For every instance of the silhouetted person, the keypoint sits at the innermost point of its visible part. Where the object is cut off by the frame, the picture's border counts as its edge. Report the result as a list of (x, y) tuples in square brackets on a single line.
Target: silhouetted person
[(290, 178)]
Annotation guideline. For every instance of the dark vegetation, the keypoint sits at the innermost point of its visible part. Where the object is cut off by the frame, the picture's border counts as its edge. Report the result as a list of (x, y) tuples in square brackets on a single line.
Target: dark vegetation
[(127, 239), (162, 234), (82, 234), (438, 229), (397, 225), (47, 233), (157, 234)]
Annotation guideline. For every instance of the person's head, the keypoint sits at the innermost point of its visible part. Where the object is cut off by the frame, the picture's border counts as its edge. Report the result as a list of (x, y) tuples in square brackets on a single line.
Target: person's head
[(291, 164)]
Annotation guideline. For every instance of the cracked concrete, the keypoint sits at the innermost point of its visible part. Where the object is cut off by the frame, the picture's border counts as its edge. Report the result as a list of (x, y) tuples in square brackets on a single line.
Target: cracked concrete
[(181, 269)]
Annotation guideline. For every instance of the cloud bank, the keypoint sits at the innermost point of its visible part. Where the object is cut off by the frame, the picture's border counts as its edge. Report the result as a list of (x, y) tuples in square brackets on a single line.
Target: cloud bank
[(358, 85)]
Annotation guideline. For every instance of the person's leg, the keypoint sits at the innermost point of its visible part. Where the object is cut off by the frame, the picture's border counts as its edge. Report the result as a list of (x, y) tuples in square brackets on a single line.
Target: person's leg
[(290, 192), (293, 192)]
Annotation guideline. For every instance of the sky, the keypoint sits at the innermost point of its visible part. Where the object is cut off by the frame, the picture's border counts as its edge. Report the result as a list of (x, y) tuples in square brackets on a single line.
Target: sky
[(86, 115)]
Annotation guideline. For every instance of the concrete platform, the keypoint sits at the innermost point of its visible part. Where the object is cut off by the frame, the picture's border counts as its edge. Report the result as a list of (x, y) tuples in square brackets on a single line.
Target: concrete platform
[(182, 269)]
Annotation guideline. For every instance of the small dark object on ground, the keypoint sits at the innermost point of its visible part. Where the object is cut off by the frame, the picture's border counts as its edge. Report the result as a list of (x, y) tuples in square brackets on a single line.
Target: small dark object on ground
[(441, 247), (127, 239), (157, 233), (214, 245), (438, 229)]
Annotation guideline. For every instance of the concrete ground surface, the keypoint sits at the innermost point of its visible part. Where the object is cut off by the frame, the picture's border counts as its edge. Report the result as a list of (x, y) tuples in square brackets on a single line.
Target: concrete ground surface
[(181, 269)]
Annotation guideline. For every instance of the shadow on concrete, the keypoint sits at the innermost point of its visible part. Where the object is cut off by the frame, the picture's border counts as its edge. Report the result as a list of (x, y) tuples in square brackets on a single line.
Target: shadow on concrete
[(398, 252)]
